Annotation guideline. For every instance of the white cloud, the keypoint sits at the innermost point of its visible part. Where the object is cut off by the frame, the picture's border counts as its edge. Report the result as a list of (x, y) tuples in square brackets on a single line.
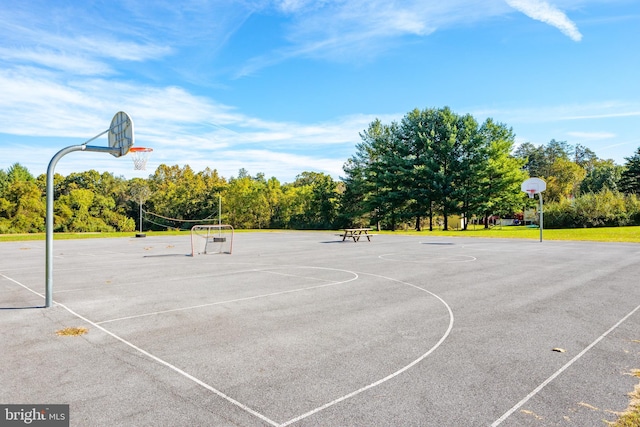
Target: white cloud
[(542, 11), (592, 135), (561, 113), (358, 30), (181, 128)]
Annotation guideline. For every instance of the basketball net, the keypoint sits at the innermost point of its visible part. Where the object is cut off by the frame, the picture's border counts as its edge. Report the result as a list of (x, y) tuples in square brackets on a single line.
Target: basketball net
[(140, 155), (531, 193)]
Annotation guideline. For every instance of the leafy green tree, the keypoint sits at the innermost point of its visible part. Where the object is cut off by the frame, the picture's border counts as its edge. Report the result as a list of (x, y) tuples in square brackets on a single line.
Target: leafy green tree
[(4, 181), (389, 168), (446, 154), (499, 179), (294, 202), (539, 160), (630, 178), (434, 161), (321, 209), (536, 162), (564, 180), (181, 194), (17, 172), (91, 201), (361, 196), (558, 150), (353, 201), (475, 157), (416, 167), (273, 196), (585, 158), (246, 202), (601, 175), (214, 188), (22, 208)]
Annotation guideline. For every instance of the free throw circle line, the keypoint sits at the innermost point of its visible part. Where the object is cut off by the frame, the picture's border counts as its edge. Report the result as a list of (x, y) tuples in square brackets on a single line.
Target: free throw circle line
[(392, 375)]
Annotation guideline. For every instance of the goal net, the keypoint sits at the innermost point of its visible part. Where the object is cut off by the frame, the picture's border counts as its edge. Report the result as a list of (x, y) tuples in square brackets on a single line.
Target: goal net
[(211, 239)]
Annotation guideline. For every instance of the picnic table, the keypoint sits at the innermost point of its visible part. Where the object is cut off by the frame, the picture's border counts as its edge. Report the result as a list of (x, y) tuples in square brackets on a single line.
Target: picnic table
[(356, 233)]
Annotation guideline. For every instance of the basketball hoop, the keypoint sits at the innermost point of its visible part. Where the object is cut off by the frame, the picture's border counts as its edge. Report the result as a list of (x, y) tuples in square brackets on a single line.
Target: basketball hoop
[(140, 155), (533, 186)]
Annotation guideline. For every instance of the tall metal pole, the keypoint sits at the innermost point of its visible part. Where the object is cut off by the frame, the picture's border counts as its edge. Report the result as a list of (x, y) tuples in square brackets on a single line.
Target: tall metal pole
[(49, 221), (541, 216)]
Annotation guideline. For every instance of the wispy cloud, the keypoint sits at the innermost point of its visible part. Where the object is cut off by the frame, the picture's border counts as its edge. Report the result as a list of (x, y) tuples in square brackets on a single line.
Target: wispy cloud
[(592, 135), (363, 29), (542, 11), (188, 129), (563, 112), (71, 50)]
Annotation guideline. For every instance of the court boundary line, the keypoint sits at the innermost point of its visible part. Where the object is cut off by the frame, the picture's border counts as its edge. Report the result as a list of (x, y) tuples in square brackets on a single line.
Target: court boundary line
[(156, 359), (245, 407), (24, 286), (561, 370), (154, 313), (174, 368)]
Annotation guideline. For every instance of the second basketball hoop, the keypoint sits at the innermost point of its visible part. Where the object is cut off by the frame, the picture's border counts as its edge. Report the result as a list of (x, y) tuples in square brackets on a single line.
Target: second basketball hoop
[(140, 155), (533, 186)]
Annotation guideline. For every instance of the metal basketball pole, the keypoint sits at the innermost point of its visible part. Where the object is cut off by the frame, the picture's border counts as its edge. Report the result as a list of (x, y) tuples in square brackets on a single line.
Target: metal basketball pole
[(49, 221), (541, 216)]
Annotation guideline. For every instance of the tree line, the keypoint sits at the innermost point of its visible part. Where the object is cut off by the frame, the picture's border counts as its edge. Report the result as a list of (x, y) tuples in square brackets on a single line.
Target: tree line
[(414, 173), (435, 162)]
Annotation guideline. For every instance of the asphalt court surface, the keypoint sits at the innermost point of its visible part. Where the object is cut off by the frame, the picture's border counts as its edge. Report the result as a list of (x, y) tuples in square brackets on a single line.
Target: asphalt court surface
[(302, 329)]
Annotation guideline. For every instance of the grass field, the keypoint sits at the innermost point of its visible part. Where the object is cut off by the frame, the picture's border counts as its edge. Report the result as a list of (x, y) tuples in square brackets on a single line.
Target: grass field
[(604, 234)]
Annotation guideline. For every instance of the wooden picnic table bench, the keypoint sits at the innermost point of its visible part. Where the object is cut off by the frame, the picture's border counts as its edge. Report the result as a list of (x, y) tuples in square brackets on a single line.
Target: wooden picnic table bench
[(356, 233)]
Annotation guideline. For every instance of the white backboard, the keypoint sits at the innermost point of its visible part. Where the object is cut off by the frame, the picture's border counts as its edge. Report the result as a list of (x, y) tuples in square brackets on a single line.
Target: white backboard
[(533, 186)]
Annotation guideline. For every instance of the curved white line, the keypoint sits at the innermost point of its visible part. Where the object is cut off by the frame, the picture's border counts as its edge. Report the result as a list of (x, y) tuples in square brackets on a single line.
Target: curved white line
[(394, 374), (245, 407)]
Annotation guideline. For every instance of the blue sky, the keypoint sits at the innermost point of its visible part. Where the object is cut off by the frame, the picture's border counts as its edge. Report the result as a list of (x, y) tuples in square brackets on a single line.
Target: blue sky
[(283, 87)]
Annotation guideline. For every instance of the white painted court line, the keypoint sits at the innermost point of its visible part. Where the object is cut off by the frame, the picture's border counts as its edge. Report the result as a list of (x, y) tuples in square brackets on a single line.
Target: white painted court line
[(243, 406), (394, 374), (20, 284), (157, 359), (173, 368), (253, 297), (561, 370)]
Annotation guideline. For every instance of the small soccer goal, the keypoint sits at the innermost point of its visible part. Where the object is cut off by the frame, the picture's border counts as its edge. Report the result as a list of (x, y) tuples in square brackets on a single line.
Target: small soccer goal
[(211, 239)]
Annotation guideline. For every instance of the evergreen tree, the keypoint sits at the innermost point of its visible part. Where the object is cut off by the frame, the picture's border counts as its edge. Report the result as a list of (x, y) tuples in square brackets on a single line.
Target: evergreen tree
[(630, 179)]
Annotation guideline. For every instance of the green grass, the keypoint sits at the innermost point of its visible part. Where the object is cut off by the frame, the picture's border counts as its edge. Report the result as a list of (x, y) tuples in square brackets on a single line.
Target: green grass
[(604, 234)]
